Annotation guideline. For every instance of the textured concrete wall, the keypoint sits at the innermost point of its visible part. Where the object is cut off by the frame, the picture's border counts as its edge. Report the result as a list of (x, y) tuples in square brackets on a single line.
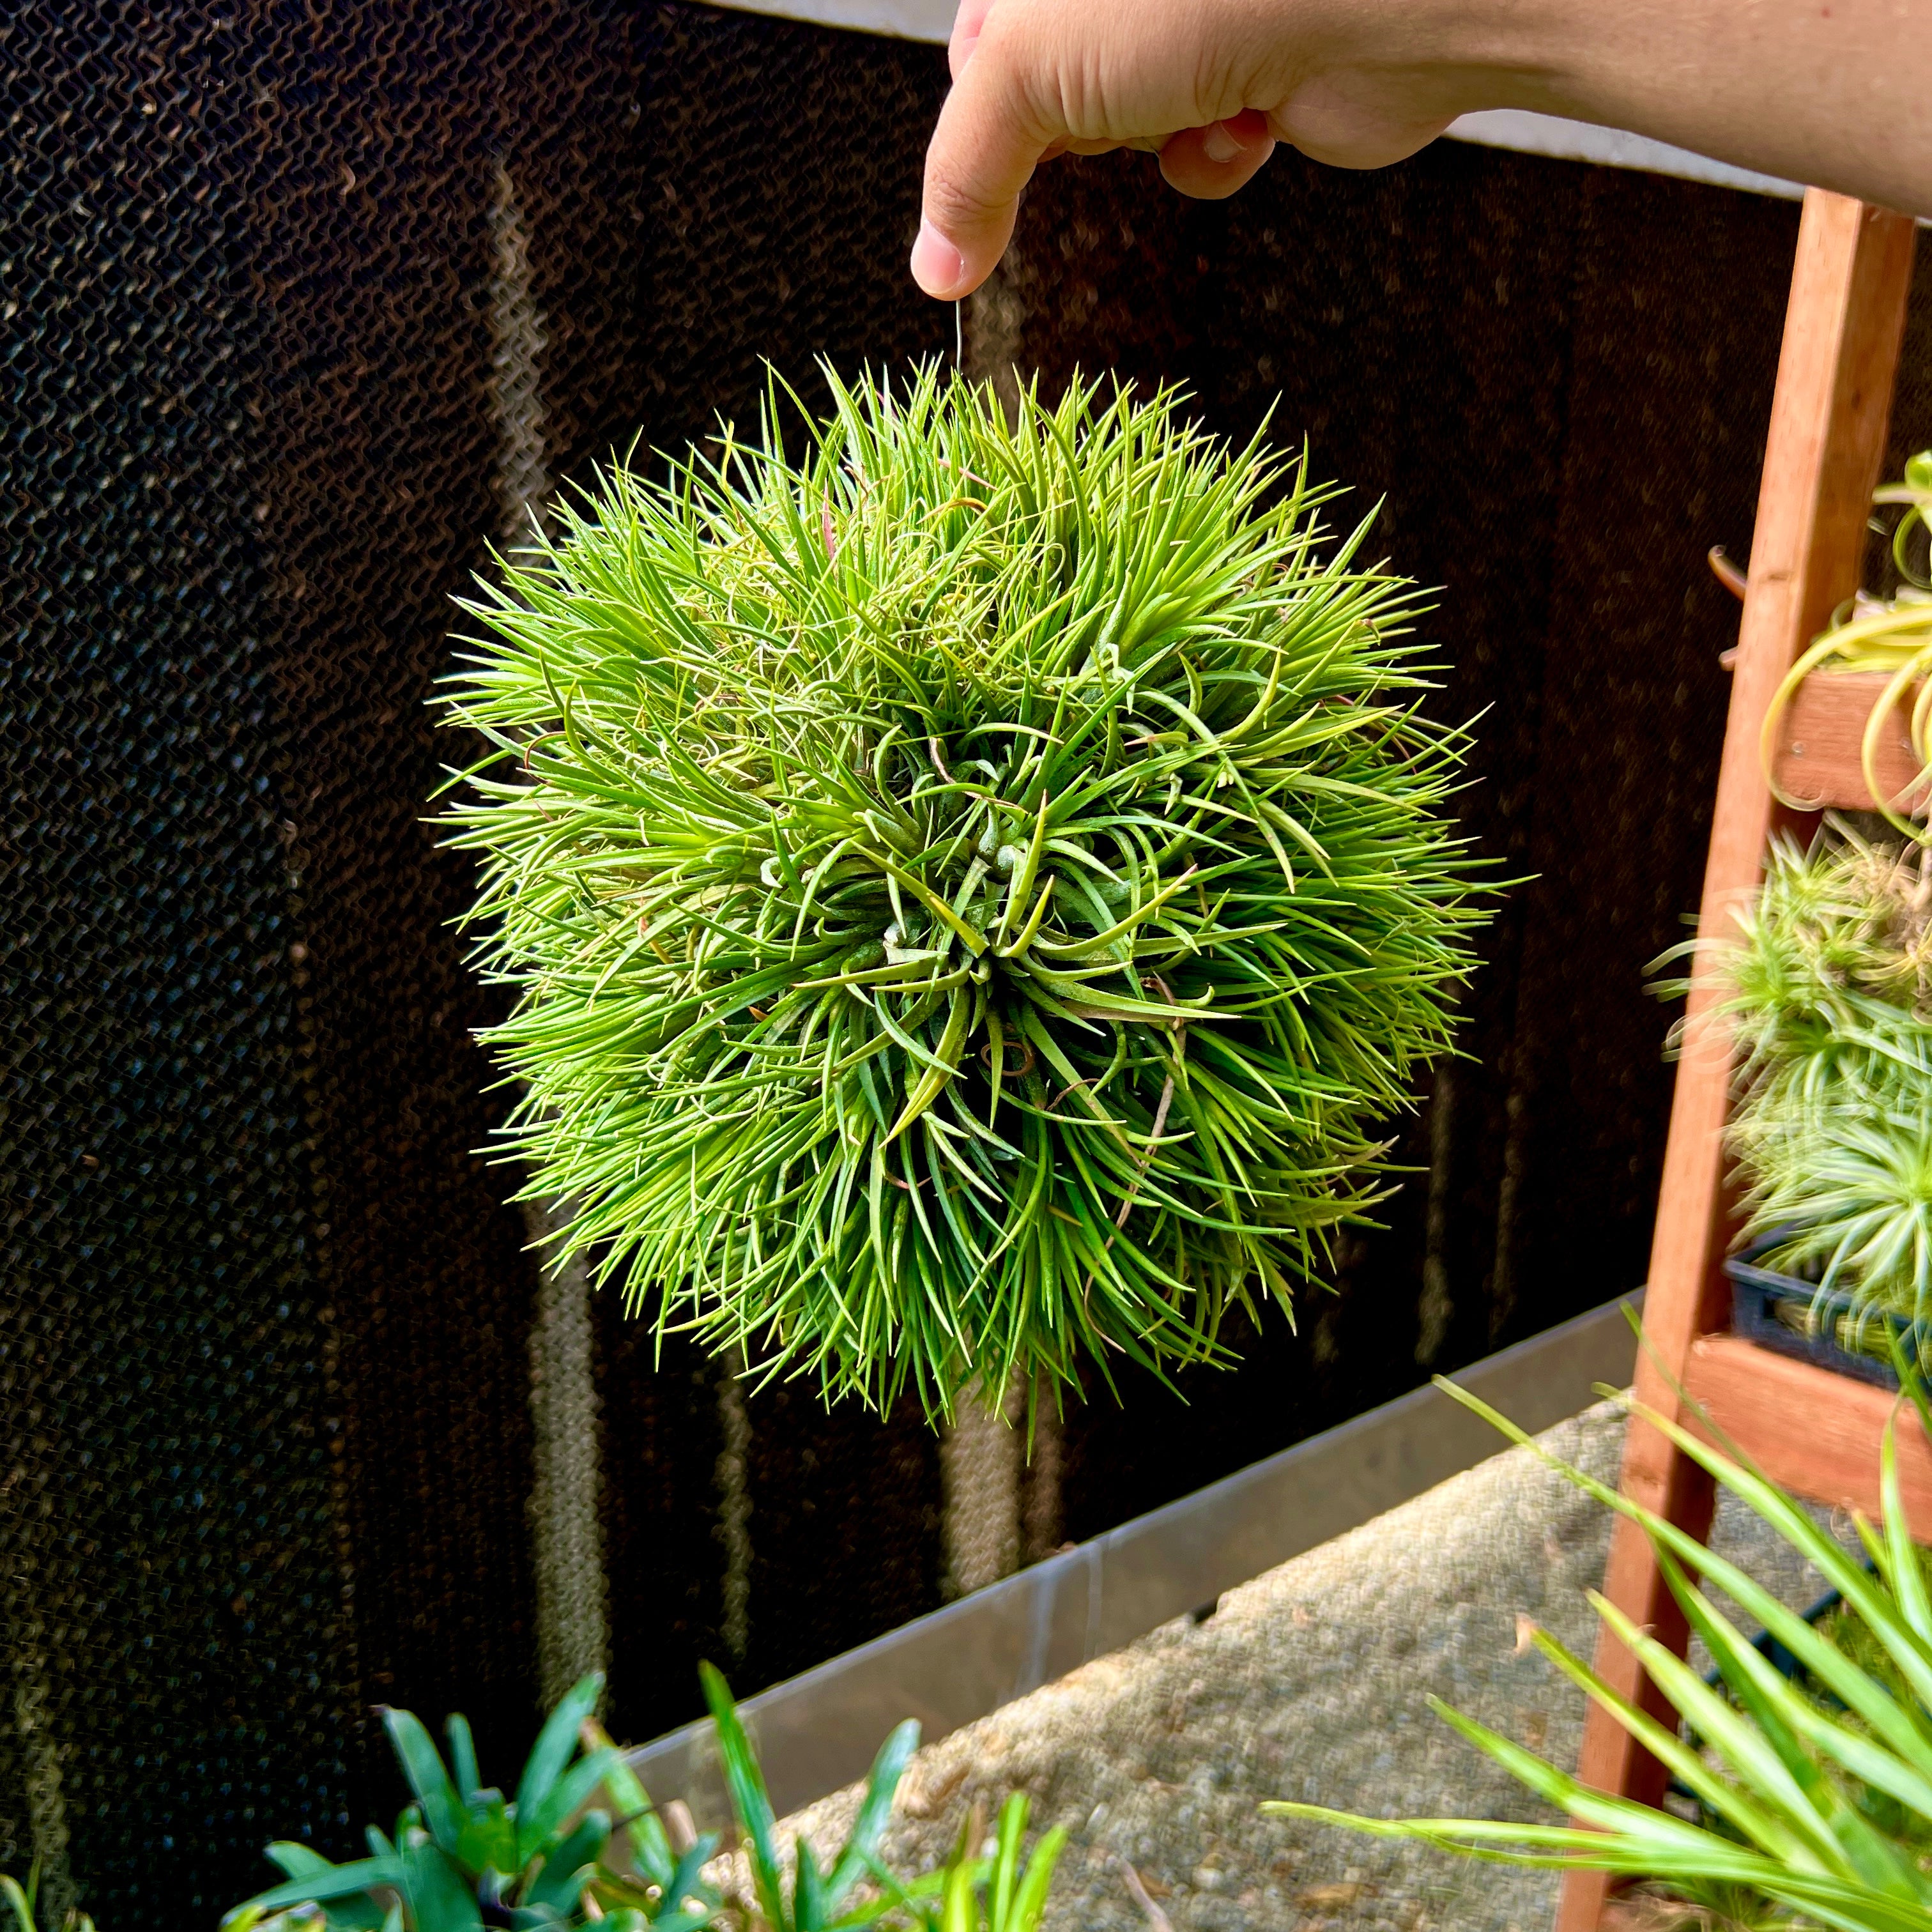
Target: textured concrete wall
[(1310, 1682)]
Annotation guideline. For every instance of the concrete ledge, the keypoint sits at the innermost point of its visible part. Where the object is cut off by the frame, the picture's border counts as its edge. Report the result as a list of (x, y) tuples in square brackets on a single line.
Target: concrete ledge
[(818, 1732)]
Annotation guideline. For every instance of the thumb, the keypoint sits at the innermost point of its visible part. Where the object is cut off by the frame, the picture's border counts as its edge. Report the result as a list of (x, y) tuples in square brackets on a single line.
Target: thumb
[(983, 152)]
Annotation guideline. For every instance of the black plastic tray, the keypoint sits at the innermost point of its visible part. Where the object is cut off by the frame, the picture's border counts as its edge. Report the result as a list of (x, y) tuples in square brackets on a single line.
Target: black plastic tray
[(1786, 1313)]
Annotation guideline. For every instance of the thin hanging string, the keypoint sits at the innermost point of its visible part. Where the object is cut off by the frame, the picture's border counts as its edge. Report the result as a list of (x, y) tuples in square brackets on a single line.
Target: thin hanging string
[(959, 335)]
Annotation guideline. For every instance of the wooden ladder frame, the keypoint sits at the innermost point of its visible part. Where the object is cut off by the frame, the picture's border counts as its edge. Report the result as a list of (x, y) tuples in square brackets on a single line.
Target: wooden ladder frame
[(1814, 1431)]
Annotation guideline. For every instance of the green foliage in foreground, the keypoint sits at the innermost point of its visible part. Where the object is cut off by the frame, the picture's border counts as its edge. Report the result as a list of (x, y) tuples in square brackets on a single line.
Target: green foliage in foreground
[(970, 1893), (22, 1901), (553, 1858), (999, 1892), (971, 891), (548, 1859), (1828, 989), (1801, 1782)]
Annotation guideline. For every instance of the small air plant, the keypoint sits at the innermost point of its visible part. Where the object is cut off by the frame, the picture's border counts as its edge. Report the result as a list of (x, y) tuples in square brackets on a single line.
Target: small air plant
[(1889, 634), (972, 891), (978, 1889)]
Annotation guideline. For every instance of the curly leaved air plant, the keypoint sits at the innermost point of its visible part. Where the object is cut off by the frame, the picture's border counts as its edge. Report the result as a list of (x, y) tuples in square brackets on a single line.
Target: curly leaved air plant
[(970, 891), (1892, 635)]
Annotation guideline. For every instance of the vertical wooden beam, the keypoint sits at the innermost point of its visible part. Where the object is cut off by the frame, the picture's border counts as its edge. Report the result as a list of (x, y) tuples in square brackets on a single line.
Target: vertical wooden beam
[(1828, 418)]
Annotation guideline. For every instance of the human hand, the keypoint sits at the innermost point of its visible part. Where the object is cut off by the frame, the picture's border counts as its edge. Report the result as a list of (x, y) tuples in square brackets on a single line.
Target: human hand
[(1832, 94), (1209, 85)]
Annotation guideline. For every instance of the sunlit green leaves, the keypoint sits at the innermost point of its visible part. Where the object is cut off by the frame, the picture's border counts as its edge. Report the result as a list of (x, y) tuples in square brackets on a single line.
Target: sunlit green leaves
[(550, 1860), (1790, 1775), (978, 1889), (970, 891)]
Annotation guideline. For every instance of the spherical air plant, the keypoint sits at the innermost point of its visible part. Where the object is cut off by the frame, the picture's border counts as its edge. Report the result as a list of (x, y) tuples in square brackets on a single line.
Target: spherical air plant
[(971, 890)]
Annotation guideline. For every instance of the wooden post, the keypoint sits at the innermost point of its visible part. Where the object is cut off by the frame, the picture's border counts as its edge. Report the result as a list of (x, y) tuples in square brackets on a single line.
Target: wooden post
[(1828, 418)]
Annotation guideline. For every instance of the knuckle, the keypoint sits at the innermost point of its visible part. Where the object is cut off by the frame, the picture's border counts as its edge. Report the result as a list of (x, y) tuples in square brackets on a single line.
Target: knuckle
[(958, 206)]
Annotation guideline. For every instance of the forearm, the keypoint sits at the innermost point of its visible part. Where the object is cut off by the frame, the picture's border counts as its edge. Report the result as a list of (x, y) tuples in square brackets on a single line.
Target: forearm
[(1837, 93)]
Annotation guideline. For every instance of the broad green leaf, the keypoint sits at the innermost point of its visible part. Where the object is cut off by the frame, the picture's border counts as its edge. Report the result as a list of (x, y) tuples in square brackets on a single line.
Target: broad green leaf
[(463, 1758), (318, 1887), (556, 1745), (875, 1808), (687, 1882), (751, 1804), (810, 1906), (1007, 1858), (441, 1809), (958, 1908), (562, 1801), (632, 1813), (1030, 1900), (489, 1835), (355, 1913), (296, 1859), (569, 1866), (440, 1899)]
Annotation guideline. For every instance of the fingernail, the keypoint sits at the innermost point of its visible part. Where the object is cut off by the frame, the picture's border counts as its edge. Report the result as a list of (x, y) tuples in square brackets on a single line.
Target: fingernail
[(937, 265), (1218, 145)]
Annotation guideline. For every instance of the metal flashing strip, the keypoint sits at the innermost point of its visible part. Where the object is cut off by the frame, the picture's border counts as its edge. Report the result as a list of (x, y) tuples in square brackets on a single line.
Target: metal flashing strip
[(903, 19), (819, 1731)]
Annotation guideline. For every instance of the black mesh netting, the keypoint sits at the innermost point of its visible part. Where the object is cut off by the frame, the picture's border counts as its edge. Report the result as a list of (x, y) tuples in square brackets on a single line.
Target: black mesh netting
[(297, 304)]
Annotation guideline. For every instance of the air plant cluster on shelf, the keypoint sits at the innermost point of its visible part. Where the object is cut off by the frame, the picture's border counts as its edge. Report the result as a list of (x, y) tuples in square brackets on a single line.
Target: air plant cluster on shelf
[(972, 891), (1828, 989)]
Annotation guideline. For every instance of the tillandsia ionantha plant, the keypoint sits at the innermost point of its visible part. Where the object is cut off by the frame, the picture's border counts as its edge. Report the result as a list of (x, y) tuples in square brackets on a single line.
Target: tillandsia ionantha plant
[(1819, 1791), (463, 1857), (996, 1891), (972, 890), (1891, 635), (974, 1892), (1827, 990), (815, 1899)]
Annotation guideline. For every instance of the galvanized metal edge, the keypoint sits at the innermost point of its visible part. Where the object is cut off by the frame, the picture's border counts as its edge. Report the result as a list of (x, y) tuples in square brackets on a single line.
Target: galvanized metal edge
[(819, 1731)]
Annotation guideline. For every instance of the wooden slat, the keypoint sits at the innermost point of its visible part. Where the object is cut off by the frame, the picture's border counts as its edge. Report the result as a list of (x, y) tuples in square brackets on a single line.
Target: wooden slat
[(1815, 1433), (1842, 332), (1821, 738)]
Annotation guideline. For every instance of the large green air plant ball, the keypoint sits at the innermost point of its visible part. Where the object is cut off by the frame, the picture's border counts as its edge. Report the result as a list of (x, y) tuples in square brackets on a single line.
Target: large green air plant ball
[(970, 891)]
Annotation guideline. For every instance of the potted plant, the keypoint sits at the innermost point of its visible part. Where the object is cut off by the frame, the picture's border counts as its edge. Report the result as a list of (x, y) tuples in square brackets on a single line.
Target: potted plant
[(971, 889)]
